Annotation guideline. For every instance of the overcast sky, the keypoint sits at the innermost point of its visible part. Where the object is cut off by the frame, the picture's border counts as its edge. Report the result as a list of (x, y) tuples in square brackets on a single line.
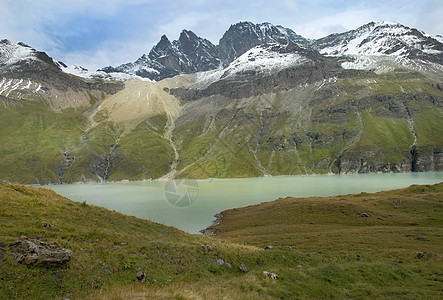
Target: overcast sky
[(98, 33)]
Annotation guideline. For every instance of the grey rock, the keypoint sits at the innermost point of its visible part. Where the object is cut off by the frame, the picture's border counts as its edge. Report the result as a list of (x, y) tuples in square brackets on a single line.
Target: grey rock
[(141, 276), (299, 266), (243, 268), (35, 252), (46, 225), (221, 262), (207, 247), (6, 182), (271, 275), (365, 215), (268, 247)]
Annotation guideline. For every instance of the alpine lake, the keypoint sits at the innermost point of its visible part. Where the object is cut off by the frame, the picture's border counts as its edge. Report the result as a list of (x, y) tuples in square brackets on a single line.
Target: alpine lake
[(190, 205)]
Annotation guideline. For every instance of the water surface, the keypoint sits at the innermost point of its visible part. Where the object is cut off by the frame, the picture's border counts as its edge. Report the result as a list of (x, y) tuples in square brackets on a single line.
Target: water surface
[(148, 199)]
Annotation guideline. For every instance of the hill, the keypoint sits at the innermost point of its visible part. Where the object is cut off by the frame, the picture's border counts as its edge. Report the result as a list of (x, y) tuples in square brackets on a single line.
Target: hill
[(340, 255)]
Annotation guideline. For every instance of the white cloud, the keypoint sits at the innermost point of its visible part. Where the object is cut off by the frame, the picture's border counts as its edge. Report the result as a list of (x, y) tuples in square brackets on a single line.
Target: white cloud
[(339, 22)]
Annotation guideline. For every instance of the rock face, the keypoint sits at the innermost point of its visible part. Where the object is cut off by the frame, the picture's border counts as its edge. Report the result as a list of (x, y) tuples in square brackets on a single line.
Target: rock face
[(191, 53), (188, 54), (243, 36), (35, 252)]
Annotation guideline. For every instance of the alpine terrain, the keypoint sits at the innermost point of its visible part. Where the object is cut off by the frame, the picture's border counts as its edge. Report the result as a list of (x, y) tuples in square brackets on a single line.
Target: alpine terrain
[(263, 102)]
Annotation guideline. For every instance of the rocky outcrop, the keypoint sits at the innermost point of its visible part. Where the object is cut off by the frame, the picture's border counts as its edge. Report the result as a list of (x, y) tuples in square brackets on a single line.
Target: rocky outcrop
[(35, 252)]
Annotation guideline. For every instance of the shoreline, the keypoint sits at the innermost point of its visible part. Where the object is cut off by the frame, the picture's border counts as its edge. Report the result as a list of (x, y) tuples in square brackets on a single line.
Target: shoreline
[(223, 178)]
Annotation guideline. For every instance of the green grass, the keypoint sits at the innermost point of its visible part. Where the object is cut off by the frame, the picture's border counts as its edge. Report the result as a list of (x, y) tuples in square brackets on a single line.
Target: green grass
[(324, 234), (33, 139)]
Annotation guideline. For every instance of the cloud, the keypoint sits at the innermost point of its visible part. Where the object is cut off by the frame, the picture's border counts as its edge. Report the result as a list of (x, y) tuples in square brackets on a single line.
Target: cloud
[(339, 22)]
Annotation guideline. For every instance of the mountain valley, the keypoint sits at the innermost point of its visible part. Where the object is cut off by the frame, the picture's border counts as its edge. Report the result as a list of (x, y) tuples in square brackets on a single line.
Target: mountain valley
[(264, 102)]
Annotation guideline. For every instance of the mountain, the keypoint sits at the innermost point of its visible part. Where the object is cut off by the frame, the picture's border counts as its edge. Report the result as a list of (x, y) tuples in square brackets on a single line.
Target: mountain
[(191, 54), (28, 75), (368, 100), (243, 36), (385, 43), (188, 54)]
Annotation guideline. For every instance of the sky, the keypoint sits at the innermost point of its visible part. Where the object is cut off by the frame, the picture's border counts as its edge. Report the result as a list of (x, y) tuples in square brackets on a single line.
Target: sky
[(98, 33)]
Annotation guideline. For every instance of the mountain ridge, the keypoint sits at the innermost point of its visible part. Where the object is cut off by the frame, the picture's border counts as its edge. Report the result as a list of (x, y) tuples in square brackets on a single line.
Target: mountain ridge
[(243, 36), (279, 108)]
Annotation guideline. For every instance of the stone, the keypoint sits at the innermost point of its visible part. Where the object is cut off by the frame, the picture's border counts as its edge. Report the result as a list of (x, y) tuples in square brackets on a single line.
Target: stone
[(299, 266), (365, 215), (141, 276), (6, 182), (46, 225), (207, 247), (271, 275), (243, 268), (35, 252), (268, 247), (221, 262)]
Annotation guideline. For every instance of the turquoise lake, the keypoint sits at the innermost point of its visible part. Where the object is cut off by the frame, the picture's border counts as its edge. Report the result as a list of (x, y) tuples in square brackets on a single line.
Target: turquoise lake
[(191, 204)]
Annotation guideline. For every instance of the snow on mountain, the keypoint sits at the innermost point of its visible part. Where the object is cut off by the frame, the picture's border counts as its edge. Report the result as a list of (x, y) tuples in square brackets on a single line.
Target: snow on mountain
[(188, 54), (12, 53), (86, 74), (261, 60), (243, 36), (383, 46)]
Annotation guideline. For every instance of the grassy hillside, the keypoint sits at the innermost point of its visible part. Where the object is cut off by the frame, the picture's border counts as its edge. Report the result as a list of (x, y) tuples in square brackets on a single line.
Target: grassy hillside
[(331, 231), (324, 234)]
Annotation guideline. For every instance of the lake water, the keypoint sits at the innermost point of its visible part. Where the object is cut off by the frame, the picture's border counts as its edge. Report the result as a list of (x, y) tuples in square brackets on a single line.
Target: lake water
[(191, 204)]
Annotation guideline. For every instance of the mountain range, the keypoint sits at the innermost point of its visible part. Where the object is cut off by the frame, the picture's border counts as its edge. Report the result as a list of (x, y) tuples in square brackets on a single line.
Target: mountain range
[(264, 101)]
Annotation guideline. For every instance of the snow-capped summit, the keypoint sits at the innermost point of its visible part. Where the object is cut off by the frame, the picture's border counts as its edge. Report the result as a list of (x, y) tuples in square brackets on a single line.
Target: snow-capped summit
[(11, 53), (383, 38)]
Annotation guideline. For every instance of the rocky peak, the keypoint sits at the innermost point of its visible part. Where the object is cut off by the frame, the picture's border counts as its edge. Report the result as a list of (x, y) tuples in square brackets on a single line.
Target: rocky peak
[(189, 54), (162, 48), (243, 36), (383, 38)]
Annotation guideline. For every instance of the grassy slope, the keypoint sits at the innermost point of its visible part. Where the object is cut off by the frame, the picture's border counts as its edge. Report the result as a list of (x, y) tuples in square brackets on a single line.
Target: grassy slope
[(332, 232), (33, 139), (102, 267)]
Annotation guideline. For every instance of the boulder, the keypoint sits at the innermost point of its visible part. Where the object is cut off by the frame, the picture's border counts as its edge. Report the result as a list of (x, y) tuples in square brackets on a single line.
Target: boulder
[(221, 262), (271, 275), (208, 248), (46, 225), (35, 252), (243, 268), (141, 276), (268, 247), (365, 215)]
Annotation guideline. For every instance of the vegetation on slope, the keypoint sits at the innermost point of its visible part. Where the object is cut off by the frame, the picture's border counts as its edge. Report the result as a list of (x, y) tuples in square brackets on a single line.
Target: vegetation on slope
[(322, 248)]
